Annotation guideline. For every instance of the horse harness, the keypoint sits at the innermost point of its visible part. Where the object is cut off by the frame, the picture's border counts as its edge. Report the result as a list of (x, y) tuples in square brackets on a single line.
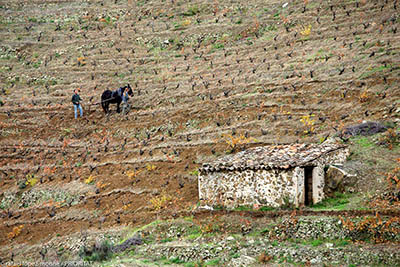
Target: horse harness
[(118, 91)]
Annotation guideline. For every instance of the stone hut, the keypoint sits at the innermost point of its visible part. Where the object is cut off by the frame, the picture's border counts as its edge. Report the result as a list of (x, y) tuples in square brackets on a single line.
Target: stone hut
[(273, 175)]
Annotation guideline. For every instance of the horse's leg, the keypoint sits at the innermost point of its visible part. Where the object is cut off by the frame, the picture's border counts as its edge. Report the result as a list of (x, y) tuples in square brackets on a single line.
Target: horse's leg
[(124, 107), (103, 105), (118, 109), (106, 104)]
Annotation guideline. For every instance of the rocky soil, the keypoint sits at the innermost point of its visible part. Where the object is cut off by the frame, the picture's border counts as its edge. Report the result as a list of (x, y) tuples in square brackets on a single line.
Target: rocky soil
[(308, 240)]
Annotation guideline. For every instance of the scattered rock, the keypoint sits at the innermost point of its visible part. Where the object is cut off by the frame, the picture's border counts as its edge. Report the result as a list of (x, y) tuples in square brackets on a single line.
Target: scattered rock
[(127, 244), (205, 207), (329, 245), (243, 261), (230, 238), (365, 129)]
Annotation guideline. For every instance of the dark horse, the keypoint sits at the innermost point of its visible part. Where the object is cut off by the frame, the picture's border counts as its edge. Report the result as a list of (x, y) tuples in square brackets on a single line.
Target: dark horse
[(114, 97)]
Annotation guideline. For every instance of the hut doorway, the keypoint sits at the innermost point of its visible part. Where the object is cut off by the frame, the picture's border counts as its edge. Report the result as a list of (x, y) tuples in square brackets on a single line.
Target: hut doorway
[(308, 186)]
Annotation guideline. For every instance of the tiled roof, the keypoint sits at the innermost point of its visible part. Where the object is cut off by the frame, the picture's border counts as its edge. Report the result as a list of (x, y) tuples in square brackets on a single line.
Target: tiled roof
[(268, 157)]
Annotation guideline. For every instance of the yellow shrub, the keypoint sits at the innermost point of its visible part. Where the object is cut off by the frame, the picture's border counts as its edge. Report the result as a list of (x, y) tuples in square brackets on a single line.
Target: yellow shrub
[(133, 174), (81, 61), (101, 185), (15, 232), (31, 180), (151, 167), (89, 180), (306, 30), (364, 97), (160, 201), (234, 142), (186, 22), (308, 122)]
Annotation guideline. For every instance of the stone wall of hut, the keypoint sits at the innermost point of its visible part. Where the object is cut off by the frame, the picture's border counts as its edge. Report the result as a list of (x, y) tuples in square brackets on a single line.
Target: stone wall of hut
[(274, 187)]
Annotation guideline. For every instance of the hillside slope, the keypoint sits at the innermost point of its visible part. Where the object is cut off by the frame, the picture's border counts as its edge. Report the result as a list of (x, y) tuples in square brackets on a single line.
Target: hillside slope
[(202, 73)]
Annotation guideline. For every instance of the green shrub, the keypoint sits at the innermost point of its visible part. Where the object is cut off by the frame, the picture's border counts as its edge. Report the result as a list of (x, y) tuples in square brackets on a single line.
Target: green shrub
[(213, 262), (235, 256), (316, 243), (338, 202), (243, 208), (99, 252), (22, 184), (166, 240), (194, 264), (194, 172), (176, 260), (218, 46), (191, 11), (341, 242), (266, 208)]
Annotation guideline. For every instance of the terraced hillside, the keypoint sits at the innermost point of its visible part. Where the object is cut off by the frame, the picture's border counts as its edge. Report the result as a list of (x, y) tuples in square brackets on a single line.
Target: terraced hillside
[(203, 73)]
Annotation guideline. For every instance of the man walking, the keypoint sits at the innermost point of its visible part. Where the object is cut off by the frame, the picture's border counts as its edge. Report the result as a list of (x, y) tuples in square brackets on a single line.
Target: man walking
[(125, 105), (76, 99), (123, 93)]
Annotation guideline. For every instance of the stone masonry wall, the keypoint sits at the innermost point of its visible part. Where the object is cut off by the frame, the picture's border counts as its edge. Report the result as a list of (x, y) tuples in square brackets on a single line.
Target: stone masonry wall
[(318, 183), (298, 178), (235, 188)]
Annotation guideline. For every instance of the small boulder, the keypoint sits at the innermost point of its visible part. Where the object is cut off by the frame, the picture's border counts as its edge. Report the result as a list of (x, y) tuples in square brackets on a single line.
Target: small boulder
[(334, 180)]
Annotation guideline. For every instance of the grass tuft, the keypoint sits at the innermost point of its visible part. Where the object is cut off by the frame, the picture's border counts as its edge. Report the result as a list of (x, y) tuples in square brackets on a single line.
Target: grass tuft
[(339, 202)]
